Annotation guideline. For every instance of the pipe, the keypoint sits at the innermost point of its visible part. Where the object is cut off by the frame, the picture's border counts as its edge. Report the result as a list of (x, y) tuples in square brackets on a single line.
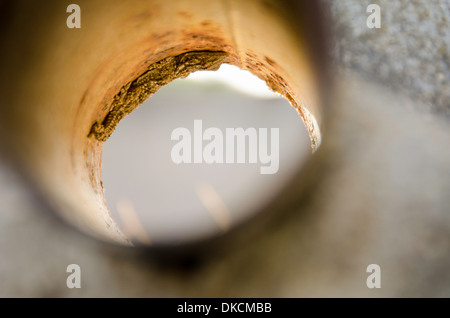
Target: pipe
[(64, 90)]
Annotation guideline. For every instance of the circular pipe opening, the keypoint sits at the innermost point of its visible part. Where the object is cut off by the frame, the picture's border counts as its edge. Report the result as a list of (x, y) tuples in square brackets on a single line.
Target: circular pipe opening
[(201, 156)]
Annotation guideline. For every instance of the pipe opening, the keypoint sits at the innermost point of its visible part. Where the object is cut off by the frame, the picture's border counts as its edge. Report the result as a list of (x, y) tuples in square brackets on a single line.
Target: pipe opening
[(201, 156)]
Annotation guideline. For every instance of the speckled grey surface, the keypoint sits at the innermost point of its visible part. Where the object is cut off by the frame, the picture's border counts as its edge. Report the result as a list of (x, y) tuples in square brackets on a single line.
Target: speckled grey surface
[(410, 52)]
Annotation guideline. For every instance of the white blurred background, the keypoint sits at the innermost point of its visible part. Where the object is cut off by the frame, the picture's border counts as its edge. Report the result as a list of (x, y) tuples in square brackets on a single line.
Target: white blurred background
[(155, 200)]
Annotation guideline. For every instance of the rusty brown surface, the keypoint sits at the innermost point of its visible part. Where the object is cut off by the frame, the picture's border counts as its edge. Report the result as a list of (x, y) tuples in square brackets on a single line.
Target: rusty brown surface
[(71, 77)]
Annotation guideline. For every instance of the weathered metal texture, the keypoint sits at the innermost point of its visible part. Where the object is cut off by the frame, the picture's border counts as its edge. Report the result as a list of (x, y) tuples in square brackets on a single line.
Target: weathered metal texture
[(378, 194), (64, 90)]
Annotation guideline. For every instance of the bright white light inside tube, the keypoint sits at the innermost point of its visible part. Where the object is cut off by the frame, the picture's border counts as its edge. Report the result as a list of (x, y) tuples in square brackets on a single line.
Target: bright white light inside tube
[(231, 75)]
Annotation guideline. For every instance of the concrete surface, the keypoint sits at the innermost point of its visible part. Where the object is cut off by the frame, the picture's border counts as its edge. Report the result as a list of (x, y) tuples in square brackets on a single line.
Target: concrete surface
[(409, 53)]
